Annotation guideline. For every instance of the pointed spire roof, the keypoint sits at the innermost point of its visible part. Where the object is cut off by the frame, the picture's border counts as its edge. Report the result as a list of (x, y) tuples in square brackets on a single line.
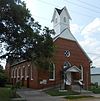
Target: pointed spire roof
[(59, 11)]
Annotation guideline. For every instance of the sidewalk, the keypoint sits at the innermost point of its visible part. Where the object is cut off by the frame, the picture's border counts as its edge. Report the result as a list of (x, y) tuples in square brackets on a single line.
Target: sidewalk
[(36, 95)]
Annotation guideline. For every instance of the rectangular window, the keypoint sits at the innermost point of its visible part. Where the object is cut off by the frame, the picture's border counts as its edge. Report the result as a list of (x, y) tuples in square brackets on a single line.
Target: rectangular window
[(52, 72)]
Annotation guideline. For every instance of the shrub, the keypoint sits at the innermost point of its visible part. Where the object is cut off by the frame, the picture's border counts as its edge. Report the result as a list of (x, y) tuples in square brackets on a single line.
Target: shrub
[(3, 79)]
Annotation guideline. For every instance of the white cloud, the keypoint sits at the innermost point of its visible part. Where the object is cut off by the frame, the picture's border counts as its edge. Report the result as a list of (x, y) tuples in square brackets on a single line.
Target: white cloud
[(90, 40), (74, 28), (91, 28)]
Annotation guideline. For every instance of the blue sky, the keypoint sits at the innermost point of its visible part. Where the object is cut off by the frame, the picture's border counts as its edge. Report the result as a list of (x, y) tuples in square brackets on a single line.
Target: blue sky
[(85, 23)]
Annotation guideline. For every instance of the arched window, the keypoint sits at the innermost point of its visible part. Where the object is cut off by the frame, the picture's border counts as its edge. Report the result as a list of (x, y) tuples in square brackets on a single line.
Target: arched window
[(64, 19), (67, 64), (52, 72)]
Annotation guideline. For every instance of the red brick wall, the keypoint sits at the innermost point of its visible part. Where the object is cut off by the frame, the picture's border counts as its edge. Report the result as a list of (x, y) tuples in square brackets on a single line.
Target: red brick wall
[(33, 83), (77, 58)]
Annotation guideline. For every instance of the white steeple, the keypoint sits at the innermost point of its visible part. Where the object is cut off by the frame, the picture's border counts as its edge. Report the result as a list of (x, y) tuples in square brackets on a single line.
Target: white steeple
[(61, 24)]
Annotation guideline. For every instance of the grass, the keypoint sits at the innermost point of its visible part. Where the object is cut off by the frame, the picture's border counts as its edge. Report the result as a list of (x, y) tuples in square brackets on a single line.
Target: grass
[(56, 92), (68, 94), (5, 94), (95, 89), (77, 97)]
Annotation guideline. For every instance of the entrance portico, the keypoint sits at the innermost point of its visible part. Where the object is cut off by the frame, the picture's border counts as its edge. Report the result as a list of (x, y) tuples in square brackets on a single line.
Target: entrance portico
[(72, 75)]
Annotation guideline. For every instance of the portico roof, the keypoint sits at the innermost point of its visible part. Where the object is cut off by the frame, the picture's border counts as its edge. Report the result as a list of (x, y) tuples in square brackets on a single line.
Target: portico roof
[(73, 69)]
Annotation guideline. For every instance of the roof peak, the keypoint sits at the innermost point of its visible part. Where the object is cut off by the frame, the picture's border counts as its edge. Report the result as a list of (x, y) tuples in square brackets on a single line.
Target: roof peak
[(59, 10)]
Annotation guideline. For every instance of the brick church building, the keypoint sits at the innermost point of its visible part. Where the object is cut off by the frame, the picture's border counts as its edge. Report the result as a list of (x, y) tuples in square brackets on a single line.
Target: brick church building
[(70, 64)]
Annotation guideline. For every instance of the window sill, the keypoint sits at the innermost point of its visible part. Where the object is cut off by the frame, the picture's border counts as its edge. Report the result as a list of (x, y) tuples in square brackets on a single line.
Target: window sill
[(31, 78), (51, 79)]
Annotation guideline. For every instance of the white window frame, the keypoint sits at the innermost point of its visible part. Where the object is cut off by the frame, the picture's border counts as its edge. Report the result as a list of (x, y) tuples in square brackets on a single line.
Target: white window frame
[(25, 73), (22, 73), (12, 73), (53, 73), (18, 72), (81, 72), (31, 73)]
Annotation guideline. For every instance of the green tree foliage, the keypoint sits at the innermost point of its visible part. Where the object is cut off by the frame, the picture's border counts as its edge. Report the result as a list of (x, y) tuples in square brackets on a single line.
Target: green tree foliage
[(21, 35), (3, 78)]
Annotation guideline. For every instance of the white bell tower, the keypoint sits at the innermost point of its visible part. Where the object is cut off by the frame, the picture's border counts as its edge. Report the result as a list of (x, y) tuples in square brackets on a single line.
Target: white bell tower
[(61, 24)]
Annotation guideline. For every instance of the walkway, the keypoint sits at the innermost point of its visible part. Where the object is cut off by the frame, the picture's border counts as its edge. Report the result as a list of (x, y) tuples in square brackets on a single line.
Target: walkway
[(36, 95)]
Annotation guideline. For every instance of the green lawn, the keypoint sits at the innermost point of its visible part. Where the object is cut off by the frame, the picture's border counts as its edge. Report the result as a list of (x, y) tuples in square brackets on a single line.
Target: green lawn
[(56, 92), (66, 94), (5, 94), (77, 97), (95, 90)]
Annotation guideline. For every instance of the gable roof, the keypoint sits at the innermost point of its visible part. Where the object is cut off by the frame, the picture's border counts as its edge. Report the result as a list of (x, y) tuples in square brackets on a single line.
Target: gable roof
[(69, 36), (66, 34), (73, 69), (95, 71)]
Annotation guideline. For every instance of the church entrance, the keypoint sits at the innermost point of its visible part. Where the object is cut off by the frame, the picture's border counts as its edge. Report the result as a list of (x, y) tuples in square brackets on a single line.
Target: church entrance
[(75, 77)]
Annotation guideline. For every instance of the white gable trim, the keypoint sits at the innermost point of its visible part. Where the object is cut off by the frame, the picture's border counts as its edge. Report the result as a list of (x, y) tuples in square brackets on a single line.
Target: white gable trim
[(73, 39), (65, 36), (67, 12), (73, 69), (54, 14)]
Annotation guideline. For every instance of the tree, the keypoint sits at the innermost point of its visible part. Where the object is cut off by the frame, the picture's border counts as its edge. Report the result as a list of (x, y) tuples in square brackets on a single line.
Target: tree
[(22, 36)]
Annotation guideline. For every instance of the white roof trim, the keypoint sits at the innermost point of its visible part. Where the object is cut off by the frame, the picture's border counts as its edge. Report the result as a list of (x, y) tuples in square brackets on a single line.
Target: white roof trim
[(65, 35), (67, 12), (73, 39), (73, 69)]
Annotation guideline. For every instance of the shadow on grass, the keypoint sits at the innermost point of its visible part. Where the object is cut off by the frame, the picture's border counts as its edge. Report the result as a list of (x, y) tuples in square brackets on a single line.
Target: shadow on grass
[(77, 97), (56, 92)]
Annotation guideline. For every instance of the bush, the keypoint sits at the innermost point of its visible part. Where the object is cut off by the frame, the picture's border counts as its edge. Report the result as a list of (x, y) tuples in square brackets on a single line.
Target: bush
[(95, 90), (3, 79)]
